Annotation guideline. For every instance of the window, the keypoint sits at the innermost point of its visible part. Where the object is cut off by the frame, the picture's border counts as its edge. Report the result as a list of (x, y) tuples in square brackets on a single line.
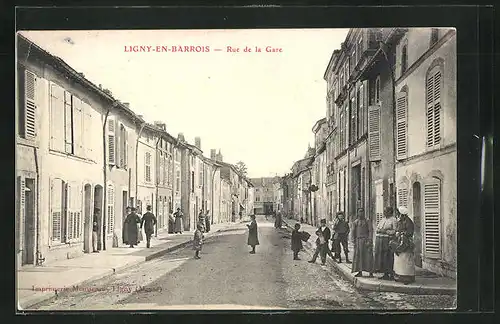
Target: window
[(374, 132), (432, 218), (346, 70), (434, 36), (192, 181), (57, 188), (27, 106), (147, 167), (433, 100), (110, 202), (360, 46), (177, 181), (353, 126), (401, 125), (123, 147), (65, 211), (111, 141), (360, 112), (161, 166), (404, 58), (402, 196), (342, 129), (377, 90)]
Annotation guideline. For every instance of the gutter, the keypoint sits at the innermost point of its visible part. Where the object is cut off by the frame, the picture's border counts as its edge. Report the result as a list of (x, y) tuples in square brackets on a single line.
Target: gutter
[(39, 259)]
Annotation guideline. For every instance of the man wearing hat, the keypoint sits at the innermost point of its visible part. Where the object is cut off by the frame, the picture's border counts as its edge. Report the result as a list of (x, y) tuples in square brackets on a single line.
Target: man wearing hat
[(95, 229), (404, 262)]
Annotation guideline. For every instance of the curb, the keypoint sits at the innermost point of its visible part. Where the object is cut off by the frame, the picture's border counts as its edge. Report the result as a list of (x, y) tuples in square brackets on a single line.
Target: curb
[(364, 284), (36, 300)]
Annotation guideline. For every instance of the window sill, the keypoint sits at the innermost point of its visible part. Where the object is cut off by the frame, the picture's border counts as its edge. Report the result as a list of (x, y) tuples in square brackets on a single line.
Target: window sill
[(28, 142), (71, 156)]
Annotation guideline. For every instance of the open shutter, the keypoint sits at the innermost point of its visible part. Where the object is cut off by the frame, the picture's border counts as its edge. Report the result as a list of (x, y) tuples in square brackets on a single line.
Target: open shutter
[(56, 208), (432, 218), (374, 132), (111, 141), (403, 197), (111, 209), (433, 104), (437, 107), (30, 104), (68, 122), (69, 213), (125, 148), (87, 131), (402, 125), (21, 182), (78, 127), (56, 117), (379, 201)]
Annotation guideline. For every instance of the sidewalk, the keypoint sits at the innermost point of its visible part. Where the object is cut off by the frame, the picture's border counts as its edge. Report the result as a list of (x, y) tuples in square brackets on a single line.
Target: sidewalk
[(31, 281), (426, 282)]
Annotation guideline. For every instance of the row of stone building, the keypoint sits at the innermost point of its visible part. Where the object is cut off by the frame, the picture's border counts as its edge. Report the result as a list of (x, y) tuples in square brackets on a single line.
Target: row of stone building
[(78, 148), (388, 138)]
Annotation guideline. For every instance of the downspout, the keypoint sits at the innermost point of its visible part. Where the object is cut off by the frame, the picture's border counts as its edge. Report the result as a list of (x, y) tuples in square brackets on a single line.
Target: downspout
[(213, 181), (105, 179), (39, 259), (136, 161), (157, 182)]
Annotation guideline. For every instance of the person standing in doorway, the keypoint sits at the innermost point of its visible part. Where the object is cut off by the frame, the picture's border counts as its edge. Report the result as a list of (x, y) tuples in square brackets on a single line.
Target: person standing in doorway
[(340, 235), (148, 222), (253, 238), (322, 248), (95, 229), (178, 226), (384, 256), (207, 221), (132, 229), (363, 247)]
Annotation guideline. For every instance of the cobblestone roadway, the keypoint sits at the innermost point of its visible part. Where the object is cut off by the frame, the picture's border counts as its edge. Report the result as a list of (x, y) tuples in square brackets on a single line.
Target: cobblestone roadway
[(228, 276)]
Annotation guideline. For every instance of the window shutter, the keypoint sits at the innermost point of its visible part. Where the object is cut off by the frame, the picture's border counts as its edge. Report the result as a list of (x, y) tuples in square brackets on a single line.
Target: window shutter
[(402, 197), (68, 122), (22, 207), (30, 104), (402, 125), (374, 132), (87, 131), (56, 208), (121, 144), (78, 126), (111, 209), (437, 107), (125, 148), (432, 218), (69, 213), (433, 95), (111, 141), (56, 117), (379, 202)]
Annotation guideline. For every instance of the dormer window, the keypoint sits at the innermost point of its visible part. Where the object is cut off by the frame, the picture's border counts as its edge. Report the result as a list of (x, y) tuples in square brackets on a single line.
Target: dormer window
[(404, 58)]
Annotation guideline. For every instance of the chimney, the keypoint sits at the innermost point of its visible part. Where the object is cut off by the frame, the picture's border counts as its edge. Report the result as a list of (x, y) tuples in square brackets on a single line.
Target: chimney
[(197, 142), (160, 125), (213, 154), (100, 86), (126, 104), (181, 138), (219, 157)]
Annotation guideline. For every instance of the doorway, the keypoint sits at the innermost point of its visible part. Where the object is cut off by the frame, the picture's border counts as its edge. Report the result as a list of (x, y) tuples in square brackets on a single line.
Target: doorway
[(417, 221), (87, 218), (98, 197), (28, 255), (356, 191)]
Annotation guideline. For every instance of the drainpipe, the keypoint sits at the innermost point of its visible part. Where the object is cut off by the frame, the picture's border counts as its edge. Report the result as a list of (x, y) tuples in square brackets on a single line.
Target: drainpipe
[(39, 258), (157, 182), (136, 161), (105, 176)]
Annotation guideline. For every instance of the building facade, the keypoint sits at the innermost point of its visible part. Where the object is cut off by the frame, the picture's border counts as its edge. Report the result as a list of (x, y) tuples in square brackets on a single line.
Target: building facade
[(264, 195)]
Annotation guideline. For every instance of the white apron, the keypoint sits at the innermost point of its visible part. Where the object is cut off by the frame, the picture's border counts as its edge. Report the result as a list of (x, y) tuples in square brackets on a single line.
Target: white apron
[(404, 264)]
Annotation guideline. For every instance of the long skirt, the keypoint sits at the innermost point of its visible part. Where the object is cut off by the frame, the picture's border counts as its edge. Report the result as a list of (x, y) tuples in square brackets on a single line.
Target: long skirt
[(139, 232), (404, 267), (178, 225), (363, 256), (384, 257)]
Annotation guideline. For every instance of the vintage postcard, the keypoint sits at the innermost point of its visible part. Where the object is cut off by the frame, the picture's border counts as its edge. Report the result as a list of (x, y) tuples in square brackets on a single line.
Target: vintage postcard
[(270, 169)]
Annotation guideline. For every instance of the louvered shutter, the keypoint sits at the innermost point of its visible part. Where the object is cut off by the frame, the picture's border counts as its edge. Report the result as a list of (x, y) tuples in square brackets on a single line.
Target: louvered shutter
[(437, 107), (402, 125), (111, 209), (30, 104), (403, 197), (56, 208), (87, 131), (120, 140), (68, 123), (69, 213), (111, 141), (379, 201), (21, 182), (56, 117), (433, 102), (125, 149), (432, 219), (78, 127), (374, 132)]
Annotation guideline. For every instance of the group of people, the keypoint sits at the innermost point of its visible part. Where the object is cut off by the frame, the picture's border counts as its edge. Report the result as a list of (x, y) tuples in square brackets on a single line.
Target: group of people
[(393, 244)]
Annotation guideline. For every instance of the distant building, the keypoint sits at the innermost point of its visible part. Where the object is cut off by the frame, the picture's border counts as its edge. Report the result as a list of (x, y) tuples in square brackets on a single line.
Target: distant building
[(264, 195)]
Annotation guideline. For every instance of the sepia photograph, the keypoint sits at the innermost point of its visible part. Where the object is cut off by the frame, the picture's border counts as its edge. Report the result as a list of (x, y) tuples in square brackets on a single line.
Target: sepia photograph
[(236, 169)]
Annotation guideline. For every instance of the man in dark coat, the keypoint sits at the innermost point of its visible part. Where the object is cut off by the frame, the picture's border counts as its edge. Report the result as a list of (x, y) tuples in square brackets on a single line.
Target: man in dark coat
[(322, 248), (253, 238), (149, 222), (340, 235), (296, 242), (131, 227)]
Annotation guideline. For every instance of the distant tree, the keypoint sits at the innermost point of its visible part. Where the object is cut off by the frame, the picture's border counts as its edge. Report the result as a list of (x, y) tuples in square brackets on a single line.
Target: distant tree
[(241, 167)]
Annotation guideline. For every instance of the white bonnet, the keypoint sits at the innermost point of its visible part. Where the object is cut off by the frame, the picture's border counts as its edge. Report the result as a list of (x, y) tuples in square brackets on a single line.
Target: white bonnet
[(403, 210)]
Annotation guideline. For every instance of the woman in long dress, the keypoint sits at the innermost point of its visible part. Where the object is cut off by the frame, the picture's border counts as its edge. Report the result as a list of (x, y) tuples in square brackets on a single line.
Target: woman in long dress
[(384, 256), (363, 248), (253, 238), (131, 222), (178, 226), (403, 246)]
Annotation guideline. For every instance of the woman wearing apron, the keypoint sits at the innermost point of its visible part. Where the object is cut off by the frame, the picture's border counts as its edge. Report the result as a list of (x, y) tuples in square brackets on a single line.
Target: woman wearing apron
[(404, 262)]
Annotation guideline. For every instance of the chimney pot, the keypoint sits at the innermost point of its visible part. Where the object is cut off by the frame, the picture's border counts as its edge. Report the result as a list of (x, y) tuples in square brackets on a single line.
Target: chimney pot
[(197, 142), (180, 137), (213, 154)]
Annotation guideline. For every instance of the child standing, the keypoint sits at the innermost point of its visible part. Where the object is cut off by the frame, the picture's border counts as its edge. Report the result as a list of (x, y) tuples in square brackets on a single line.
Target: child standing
[(296, 242), (198, 241)]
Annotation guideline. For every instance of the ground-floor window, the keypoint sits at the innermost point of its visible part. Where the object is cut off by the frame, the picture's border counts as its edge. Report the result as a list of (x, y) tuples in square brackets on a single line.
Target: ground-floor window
[(66, 204)]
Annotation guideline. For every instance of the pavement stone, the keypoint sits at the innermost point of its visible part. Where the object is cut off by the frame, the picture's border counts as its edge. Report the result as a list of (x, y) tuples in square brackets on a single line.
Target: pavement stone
[(427, 286)]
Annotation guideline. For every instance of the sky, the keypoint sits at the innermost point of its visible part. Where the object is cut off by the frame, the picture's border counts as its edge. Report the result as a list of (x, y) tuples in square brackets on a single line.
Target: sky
[(256, 107)]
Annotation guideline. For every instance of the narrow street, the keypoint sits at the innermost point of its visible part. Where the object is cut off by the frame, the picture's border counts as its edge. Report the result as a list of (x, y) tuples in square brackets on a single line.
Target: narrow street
[(228, 277)]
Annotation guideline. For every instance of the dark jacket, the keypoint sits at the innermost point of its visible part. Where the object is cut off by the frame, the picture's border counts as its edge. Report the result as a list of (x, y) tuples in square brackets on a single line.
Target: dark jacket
[(296, 241), (253, 238), (149, 222), (327, 234), (340, 229)]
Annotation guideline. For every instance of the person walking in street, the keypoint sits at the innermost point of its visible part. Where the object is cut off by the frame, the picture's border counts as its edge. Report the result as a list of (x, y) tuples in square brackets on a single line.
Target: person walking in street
[(253, 238), (132, 230), (363, 250), (278, 221), (384, 256), (322, 248), (403, 247), (201, 220), (95, 229), (296, 242), (178, 226), (197, 241), (340, 236), (207, 221), (149, 223)]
